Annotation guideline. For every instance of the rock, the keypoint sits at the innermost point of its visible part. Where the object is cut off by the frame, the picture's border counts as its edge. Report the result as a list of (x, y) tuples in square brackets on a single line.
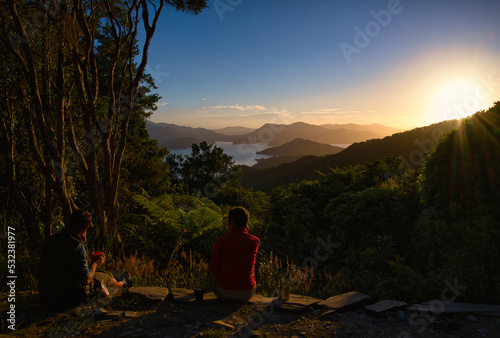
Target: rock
[(400, 315), (148, 294), (385, 305), (348, 300), (482, 330), (471, 318)]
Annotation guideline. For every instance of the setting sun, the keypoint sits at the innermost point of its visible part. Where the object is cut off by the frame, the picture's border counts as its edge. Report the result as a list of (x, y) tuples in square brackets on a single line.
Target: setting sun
[(457, 98)]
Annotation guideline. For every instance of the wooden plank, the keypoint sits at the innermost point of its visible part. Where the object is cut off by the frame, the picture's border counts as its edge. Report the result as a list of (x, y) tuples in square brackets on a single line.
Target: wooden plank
[(148, 293), (348, 300), (385, 305), (439, 307), (256, 298), (187, 296), (302, 300)]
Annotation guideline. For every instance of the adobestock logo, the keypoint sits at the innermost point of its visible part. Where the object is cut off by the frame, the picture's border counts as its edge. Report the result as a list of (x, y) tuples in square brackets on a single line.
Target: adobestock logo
[(372, 29), (223, 6)]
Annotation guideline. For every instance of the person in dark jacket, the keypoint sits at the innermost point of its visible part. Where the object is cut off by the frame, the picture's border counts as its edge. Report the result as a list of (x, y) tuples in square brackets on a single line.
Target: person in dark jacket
[(65, 274)]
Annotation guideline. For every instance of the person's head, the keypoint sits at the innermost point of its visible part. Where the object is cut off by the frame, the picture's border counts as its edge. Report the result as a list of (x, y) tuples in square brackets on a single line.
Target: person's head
[(238, 217), (79, 221)]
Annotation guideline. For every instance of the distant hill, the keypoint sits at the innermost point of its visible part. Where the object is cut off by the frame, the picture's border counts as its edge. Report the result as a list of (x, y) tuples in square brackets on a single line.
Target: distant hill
[(292, 151), (183, 143), (374, 128), (231, 131), (178, 137), (409, 145), (301, 147), (278, 134)]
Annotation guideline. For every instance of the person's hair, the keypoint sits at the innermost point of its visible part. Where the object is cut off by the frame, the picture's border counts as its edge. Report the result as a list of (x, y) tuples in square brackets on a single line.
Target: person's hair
[(239, 216), (79, 220)]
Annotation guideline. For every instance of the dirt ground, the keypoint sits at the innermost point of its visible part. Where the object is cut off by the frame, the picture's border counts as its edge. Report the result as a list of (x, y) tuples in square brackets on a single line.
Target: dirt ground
[(125, 317)]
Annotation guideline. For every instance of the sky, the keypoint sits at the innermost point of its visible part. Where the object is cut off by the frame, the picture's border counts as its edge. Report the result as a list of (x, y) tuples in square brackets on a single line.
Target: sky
[(402, 64)]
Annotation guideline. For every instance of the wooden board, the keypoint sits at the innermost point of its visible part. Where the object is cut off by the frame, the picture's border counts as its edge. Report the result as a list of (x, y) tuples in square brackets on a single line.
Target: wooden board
[(385, 305), (439, 307), (187, 296), (346, 301), (148, 293)]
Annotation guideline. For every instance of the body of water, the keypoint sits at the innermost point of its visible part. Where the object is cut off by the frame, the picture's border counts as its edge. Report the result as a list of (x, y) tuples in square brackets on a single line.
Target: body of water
[(244, 154)]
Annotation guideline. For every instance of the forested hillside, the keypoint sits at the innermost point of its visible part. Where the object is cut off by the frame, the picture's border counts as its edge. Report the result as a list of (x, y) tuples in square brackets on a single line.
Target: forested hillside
[(403, 233), (301, 147), (411, 146)]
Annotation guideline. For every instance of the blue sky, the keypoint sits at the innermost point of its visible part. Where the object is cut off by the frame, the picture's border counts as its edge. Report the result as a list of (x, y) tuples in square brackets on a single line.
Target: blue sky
[(401, 63)]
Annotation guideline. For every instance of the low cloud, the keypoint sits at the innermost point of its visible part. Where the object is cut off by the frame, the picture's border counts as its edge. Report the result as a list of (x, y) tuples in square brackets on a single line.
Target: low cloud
[(242, 108)]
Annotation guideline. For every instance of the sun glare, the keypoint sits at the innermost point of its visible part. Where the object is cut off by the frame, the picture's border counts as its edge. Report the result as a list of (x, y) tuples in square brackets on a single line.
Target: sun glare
[(455, 99)]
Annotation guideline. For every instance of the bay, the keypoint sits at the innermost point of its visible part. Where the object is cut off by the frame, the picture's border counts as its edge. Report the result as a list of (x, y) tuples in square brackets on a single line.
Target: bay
[(243, 154)]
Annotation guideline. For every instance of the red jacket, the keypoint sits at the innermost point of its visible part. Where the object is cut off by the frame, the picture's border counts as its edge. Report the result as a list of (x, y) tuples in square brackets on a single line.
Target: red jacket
[(233, 260)]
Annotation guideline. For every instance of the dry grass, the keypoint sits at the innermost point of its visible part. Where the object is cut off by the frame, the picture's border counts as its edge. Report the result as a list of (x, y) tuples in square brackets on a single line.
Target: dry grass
[(303, 280), (190, 270)]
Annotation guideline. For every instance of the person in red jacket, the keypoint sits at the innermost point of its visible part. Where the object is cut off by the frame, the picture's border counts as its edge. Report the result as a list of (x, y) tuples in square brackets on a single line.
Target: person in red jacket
[(233, 259)]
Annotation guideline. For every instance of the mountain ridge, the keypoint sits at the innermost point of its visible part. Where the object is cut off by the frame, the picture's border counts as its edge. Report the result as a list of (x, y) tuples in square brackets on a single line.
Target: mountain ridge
[(409, 145), (179, 137), (279, 134)]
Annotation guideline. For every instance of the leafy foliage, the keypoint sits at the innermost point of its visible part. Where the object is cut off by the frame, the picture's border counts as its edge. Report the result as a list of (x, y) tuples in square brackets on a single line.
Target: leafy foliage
[(173, 221), (204, 171), (459, 229)]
